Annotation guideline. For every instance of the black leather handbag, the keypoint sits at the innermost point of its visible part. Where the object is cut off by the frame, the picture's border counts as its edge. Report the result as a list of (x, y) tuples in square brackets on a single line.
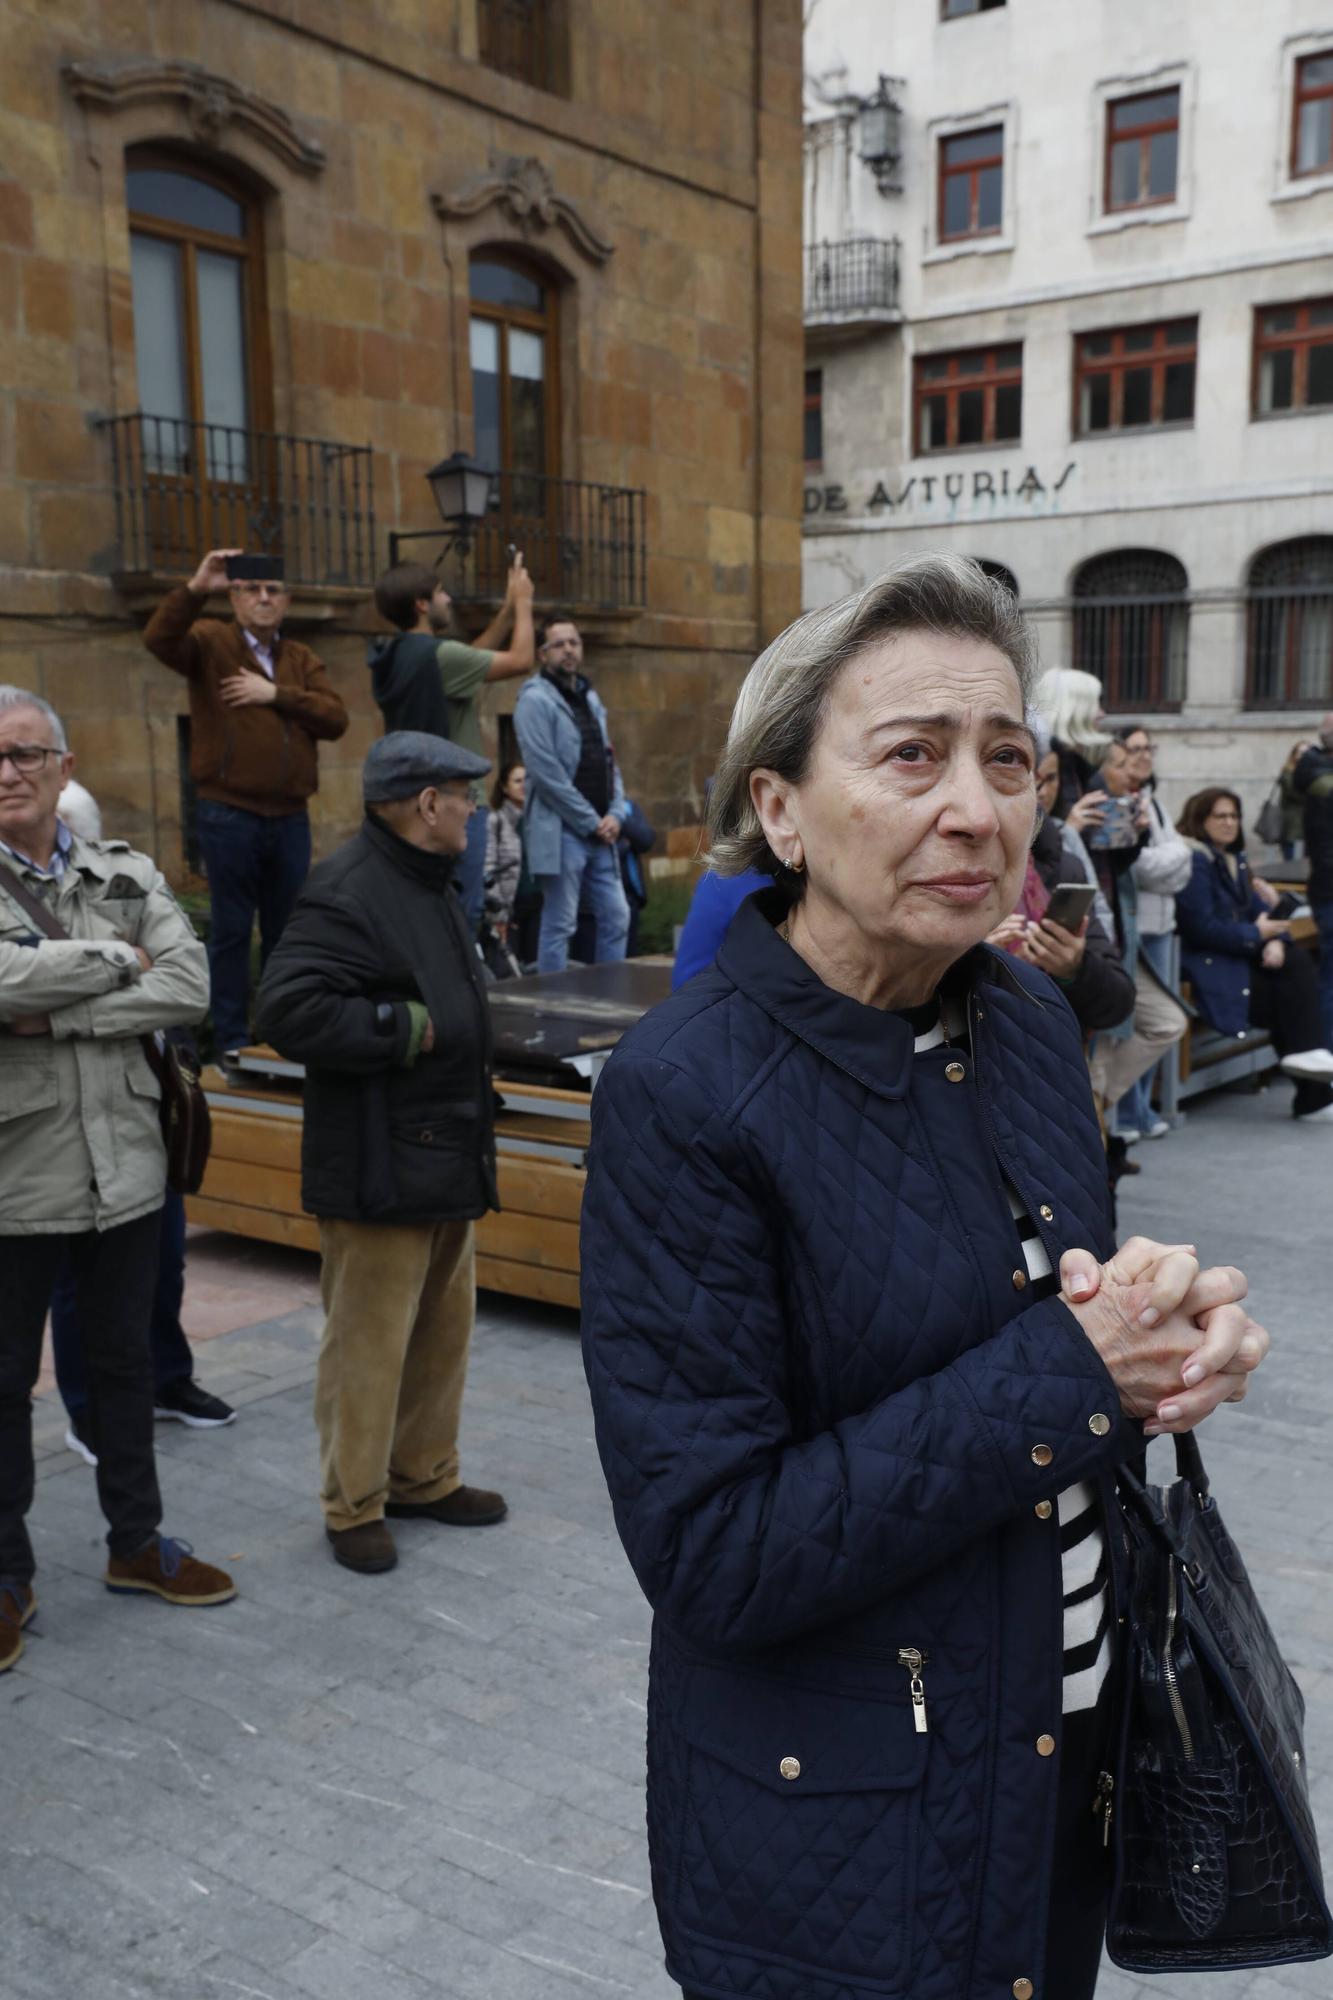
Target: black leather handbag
[(1216, 1857)]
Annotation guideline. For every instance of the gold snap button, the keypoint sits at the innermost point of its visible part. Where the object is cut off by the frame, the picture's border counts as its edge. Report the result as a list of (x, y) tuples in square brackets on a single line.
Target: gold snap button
[(1046, 1212), (790, 1767), (1023, 1989), (1019, 1280), (1046, 1746), (955, 1072), (1043, 1510), (1042, 1454), (1099, 1424)]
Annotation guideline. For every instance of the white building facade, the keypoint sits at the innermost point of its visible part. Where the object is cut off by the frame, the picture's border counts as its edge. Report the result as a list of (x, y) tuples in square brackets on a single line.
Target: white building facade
[(1069, 310)]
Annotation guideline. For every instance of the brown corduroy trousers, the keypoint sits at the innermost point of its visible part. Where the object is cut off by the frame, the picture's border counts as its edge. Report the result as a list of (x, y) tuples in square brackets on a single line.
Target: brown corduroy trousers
[(399, 1303)]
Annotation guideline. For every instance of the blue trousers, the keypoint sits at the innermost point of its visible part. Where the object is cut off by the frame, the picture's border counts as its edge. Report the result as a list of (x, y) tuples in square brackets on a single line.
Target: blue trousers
[(589, 871), (1323, 916), (1134, 1112), (471, 870), (172, 1359), (255, 863)]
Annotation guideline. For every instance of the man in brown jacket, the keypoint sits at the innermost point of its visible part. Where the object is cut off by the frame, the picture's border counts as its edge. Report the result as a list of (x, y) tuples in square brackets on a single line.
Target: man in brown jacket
[(259, 703)]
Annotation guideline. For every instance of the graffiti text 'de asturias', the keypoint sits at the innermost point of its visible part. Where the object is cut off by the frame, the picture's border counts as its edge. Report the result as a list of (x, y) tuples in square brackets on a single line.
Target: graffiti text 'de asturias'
[(930, 488)]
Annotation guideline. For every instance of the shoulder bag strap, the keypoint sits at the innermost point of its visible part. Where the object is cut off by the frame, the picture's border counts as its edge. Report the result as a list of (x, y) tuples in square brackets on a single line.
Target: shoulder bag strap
[(14, 885)]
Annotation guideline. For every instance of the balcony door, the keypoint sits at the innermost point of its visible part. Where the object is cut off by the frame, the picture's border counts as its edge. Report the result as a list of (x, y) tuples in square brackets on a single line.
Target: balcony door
[(516, 417), (203, 478)]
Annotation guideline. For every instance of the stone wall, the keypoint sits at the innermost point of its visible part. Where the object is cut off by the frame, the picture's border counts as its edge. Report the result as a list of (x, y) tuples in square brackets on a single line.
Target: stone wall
[(366, 133)]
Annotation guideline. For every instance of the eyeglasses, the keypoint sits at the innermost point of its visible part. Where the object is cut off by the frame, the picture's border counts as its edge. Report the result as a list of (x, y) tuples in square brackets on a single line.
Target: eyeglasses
[(274, 590), (28, 756)]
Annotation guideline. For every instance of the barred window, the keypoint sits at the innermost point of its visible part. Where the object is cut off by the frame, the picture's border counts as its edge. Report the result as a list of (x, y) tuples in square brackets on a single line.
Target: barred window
[(998, 572), (1289, 607), (1131, 628)]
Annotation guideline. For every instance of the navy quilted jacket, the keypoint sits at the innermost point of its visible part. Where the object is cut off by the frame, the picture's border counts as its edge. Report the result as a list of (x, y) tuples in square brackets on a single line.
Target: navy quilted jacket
[(826, 1416)]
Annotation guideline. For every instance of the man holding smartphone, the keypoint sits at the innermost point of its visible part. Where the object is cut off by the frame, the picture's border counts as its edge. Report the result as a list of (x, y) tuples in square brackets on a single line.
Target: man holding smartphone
[(260, 702)]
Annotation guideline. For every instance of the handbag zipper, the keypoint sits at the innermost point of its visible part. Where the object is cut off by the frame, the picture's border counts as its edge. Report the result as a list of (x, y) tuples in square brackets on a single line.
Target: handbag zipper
[(1101, 1804), (1169, 1669), (914, 1659)]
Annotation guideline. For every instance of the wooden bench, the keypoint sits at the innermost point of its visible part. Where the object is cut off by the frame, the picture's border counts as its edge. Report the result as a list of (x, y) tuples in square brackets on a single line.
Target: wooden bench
[(1206, 1060)]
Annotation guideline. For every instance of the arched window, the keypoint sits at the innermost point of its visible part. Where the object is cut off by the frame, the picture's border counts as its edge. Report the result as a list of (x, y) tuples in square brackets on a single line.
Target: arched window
[(1131, 628), (196, 269), (998, 573), (1289, 604)]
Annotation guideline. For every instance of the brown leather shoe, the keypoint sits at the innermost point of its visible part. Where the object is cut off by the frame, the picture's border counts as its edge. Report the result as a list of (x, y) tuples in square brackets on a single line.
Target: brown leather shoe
[(167, 1569), (368, 1548), (465, 1507), (18, 1602)]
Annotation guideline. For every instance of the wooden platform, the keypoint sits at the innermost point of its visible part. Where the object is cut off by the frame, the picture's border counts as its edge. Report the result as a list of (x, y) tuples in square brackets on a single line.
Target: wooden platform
[(531, 1249)]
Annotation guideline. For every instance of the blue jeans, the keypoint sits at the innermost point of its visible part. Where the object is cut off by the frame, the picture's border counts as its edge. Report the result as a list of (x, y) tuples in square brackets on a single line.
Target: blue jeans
[(172, 1359), (471, 870), (1134, 1112), (591, 870), (255, 863), (1323, 916)]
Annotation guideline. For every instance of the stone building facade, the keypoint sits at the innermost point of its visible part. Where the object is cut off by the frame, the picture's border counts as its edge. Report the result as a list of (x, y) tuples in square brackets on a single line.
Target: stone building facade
[(1069, 308), (262, 264)]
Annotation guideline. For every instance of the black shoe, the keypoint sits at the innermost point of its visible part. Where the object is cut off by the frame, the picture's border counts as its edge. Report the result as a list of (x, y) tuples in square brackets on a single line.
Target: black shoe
[(368, 1548), (465, 1507), (184, 1402)]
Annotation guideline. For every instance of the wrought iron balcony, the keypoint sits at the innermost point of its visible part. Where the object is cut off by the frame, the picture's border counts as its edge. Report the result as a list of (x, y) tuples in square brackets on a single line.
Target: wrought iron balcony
[(852, 285), (583, 544), (182, 488)]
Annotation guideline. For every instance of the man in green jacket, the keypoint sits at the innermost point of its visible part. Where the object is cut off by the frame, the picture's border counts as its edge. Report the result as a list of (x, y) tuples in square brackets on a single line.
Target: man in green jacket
[(82, 1164)]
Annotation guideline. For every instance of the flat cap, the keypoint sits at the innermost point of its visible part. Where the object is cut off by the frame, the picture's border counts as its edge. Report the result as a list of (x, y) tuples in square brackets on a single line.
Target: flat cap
[(407, 760)]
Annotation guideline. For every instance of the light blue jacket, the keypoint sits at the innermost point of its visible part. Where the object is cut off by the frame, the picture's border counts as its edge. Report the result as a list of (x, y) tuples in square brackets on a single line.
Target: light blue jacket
[(549, 744)]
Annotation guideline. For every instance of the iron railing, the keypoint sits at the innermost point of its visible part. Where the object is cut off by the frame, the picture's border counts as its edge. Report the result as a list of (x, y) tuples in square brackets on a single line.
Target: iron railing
[(1137, 646), (1289, 646), (182, 488), (583, 544), (858, 275)]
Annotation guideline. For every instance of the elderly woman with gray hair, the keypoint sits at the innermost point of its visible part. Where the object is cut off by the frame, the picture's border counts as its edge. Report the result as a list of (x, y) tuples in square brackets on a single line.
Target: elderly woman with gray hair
[(863, 1355)]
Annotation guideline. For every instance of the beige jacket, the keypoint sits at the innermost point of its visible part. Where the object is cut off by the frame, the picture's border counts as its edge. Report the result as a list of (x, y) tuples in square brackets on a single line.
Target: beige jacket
[(80, 1143)]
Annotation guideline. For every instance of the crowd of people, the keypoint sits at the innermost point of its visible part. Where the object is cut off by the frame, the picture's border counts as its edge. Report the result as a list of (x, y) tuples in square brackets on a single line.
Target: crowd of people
[(361, 980)]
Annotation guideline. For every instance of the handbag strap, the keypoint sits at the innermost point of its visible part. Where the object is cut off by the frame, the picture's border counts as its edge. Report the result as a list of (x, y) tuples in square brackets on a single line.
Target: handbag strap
[(1142, 1498), (33, 906)]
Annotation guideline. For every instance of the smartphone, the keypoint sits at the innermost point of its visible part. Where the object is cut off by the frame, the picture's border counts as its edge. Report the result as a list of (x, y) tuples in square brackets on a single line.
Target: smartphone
[(1119, 826), (1070, 903)]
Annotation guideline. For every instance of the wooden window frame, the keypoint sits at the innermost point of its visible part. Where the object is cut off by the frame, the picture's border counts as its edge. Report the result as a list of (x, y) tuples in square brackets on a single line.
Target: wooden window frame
[(1145, 134), (1118, 364), (247, 249), (1298, 343), (547, 324), (814, 401), (971, 171), (1300, 98), (988, 378), (548, 68)]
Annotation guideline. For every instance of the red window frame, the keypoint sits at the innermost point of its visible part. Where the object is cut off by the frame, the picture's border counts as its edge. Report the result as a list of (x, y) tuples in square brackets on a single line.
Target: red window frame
[(1145, 134), (814, 407), (1158, 355), (1296, 341), (1309, 94), (971, 170), (954, 380)]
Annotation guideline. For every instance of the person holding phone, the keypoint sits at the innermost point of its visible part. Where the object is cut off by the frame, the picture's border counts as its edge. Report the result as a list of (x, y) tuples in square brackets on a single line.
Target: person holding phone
[(260, 705)]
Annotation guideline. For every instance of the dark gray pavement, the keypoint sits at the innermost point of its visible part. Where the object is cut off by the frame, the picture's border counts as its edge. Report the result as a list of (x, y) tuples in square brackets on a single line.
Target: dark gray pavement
[(428, 1786)]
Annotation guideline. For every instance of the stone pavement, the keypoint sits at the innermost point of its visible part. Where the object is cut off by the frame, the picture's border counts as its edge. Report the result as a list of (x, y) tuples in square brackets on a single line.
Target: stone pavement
[(428, 1786)]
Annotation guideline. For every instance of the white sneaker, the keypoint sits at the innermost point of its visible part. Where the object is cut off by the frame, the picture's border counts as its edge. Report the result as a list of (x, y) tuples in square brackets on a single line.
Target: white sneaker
[(1317, 1063), (1129, 1133), (74, 1443), (1158, 1129), (1324, 1117)]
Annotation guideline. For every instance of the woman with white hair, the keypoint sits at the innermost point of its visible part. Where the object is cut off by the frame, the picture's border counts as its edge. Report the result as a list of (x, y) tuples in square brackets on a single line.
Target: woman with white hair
[(1069, 705), (863, 1357)]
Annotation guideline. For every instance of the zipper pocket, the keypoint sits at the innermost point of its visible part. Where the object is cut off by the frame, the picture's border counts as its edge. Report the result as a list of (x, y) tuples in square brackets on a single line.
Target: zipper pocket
[(1101, 1804), (1169, 1668), (914, 1659)]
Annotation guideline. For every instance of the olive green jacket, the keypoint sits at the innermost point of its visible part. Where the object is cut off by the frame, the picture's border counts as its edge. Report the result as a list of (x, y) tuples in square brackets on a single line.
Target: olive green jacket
[(80, 1142)]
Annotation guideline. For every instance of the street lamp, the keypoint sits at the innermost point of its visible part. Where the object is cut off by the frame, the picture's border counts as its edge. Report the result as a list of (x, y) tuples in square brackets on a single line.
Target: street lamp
[(462, 491), (879, 135)]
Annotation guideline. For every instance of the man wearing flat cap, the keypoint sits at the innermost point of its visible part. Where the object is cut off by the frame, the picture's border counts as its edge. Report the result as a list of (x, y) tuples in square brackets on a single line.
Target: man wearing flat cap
[(375, 988), (260, 703)]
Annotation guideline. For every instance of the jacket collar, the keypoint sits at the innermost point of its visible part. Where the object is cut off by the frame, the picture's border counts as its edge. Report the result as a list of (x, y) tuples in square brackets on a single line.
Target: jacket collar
[(436, 870), (874, 1046)]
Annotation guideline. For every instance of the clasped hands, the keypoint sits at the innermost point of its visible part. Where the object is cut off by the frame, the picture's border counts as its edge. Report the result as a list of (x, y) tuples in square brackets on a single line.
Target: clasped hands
[(1175, 1339)]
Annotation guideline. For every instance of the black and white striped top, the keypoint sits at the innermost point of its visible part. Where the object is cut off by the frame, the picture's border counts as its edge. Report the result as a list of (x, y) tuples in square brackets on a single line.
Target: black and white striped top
[(1083, 1556)]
